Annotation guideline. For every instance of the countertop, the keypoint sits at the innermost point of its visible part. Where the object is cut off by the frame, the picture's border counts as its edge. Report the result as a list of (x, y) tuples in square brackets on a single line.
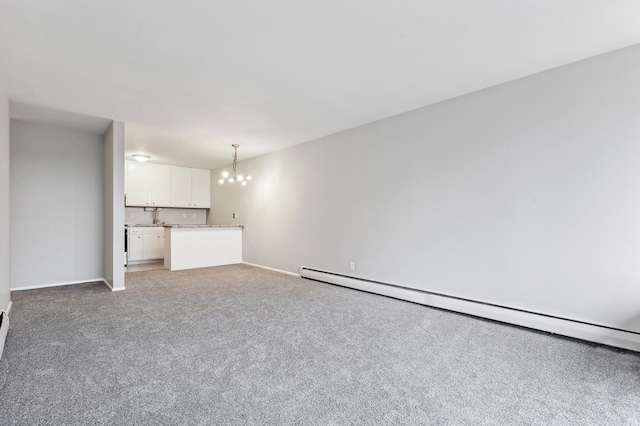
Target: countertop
[(169, 225), (203, 226)]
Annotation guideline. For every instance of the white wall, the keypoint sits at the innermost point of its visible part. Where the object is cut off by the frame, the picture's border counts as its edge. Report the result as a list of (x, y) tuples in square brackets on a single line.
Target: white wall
[(113, 157), (525, 195), (5, 295), (57, 225)]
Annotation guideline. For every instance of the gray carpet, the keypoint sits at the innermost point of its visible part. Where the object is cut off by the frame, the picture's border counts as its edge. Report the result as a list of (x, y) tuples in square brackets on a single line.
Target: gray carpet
[(241, 345)]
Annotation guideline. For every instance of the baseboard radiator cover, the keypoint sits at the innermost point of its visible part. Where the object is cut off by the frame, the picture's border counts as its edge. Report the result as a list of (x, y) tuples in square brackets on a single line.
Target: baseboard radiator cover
[(552, 324), (4, 329)]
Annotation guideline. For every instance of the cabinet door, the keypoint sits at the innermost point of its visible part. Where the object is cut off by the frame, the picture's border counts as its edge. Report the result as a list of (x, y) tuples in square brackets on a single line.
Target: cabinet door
[(180, 186), (160, 184), (135, 247), (201, 188), (153, 246), (137, 184)]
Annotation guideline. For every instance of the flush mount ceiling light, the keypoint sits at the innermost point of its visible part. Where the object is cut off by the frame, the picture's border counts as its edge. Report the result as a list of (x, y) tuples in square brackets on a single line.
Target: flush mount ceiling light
[(141, 157), (234, 175)]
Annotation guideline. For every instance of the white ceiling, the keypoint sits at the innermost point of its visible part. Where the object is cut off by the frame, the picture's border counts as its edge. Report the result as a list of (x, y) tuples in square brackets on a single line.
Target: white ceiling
[(56, 117), (192, 77)]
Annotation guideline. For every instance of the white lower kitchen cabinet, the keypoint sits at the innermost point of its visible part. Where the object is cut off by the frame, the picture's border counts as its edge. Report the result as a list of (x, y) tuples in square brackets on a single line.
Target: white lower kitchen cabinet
[(153, 243), (145, 243), (135, 250)]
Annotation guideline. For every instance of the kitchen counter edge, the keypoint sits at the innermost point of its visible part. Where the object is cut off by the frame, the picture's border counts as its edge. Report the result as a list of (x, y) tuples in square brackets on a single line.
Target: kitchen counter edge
[(183, 226)]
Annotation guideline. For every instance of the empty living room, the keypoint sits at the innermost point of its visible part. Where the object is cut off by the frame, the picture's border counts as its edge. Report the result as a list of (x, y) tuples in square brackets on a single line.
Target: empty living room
[(313, 213)]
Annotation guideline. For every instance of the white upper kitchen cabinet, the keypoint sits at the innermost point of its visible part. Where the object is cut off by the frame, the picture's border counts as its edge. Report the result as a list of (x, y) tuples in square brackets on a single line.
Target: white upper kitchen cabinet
[(160, 185), (190, 187), (148, 184), (180, 186), (137, 184), (201, 188)]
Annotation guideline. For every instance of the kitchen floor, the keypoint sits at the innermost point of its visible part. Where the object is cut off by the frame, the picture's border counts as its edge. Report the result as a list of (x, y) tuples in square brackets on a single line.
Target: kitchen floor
[(144, 267)]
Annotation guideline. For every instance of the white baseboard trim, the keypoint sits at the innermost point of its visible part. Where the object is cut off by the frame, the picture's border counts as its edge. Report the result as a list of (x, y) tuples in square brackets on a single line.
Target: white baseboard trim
[(272, 269), (144, 262), (9, 307), (4, 329), (116, 289), (566, 327), (109, 286), (33, 287)]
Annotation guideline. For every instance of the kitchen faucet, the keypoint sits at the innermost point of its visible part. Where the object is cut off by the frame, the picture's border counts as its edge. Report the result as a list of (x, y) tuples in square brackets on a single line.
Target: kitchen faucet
[(156, 216)]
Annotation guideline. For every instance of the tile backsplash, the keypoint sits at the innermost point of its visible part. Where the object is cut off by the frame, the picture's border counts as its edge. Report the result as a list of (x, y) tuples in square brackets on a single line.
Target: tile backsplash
[(137, 216)]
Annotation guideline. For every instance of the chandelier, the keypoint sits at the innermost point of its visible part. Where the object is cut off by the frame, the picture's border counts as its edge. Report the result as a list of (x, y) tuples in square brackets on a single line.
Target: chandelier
[(234, 175)]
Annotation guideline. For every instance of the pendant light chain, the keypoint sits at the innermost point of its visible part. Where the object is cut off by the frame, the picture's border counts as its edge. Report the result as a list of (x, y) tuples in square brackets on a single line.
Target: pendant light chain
[(234, 176)]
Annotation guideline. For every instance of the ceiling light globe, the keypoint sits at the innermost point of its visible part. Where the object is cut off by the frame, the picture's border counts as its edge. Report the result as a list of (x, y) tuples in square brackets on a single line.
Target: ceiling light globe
[(248, 177), (230, 180), (240, 178), (221, 181), (225, 174), (244, 183)]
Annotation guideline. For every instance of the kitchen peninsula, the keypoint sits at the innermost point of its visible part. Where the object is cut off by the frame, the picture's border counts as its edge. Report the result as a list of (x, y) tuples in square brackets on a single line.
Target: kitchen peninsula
[(200, 246)]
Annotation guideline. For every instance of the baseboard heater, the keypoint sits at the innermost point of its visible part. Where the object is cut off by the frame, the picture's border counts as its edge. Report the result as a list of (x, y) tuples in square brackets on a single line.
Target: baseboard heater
[(549, 323), (4, 329)]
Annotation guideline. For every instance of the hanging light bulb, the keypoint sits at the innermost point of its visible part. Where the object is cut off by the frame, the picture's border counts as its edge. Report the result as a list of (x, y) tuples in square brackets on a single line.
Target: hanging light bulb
[(234, 175)]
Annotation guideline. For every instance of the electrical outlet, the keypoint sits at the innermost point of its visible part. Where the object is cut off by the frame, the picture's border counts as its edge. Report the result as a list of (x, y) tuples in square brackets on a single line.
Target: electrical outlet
[(235, 215), (352, 266)]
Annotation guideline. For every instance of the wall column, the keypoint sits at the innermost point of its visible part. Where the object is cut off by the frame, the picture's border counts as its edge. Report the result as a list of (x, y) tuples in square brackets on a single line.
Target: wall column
[(114, 206)]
